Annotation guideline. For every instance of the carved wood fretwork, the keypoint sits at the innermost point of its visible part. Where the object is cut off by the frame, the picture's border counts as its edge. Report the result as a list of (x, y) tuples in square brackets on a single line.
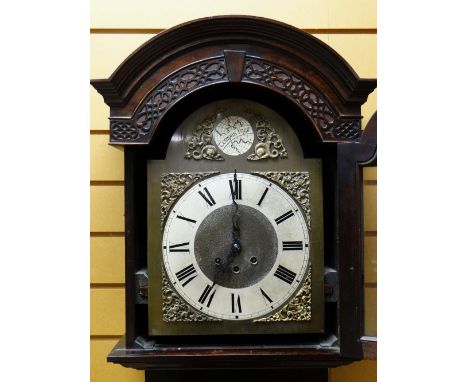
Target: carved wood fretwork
[(305, 95), (123, 131), (139, 129), (163, 96)]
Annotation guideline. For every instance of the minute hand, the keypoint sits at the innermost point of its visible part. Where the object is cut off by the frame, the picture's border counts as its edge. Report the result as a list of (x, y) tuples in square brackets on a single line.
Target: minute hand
[(236, 245)]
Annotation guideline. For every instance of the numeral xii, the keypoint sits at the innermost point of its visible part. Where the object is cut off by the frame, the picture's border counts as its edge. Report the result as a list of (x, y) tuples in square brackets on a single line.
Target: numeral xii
[(236, 189)]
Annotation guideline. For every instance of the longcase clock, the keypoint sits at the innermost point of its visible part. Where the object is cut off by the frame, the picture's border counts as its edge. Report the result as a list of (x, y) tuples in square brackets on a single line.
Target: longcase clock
[(243, 222)]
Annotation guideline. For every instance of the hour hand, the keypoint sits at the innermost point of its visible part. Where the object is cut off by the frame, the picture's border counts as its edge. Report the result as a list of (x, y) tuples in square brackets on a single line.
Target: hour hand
[(236, 244)]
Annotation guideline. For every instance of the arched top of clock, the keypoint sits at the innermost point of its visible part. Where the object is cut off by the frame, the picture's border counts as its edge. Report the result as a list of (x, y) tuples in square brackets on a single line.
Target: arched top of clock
[(209, 52)]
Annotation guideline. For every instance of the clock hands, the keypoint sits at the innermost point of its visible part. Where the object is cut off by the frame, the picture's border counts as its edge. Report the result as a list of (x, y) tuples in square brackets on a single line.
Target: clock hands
[(236, 244), (224, 269)]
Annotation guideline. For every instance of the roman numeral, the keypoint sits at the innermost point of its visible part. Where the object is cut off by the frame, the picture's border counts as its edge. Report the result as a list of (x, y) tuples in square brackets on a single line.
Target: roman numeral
[(263, 196), (236, 305), (189, 273), (284, 217), (236, 189), (292, 245), (285, 274), (186, 219), (266, 296), (206, 293), (208, 198), (177, 247)]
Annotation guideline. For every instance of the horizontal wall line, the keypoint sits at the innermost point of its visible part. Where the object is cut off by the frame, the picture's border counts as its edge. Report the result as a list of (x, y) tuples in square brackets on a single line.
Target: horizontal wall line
[(125, 30), (107, 285), (107, 234), (341, 30), (370, 182), (105, 337), (370, 233), (370, 285), (308, 30), (99, 132), (106, 183)]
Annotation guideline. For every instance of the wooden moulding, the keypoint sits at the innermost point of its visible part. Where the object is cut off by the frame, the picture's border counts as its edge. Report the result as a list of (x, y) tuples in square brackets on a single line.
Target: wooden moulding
[(176, 357)]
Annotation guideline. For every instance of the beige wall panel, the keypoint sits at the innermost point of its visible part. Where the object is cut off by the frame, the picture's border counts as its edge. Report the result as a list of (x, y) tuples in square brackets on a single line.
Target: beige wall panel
[(369, 108), (370, 259), (370, 311), (107, 208), (300, 13), (107, 162), (353, 14), (359, 50), (99, 111), (107, 260), (107, 309), (109, 50), (370, 173), (102, 371), (370, 207), (363, 371)]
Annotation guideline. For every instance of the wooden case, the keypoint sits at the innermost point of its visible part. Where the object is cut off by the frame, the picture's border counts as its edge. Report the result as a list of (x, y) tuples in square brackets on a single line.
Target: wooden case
[(310, 85)]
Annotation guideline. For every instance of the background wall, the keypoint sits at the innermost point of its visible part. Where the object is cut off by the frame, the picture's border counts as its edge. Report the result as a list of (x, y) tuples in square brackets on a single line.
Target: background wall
[(120, 26)]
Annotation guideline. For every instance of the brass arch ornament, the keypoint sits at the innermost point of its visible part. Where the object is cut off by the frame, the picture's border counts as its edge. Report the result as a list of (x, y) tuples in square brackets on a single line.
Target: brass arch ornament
[(178, 62)]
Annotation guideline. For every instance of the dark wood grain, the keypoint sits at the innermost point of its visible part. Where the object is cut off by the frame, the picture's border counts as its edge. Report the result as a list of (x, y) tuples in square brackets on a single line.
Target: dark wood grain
[(234, 64)]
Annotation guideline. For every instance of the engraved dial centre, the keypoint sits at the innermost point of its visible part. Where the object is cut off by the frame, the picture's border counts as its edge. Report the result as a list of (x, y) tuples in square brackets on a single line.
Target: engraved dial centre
[(213, 241)]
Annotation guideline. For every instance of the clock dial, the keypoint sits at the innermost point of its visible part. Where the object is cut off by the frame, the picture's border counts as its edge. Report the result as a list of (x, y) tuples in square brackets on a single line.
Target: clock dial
[(236, 246)]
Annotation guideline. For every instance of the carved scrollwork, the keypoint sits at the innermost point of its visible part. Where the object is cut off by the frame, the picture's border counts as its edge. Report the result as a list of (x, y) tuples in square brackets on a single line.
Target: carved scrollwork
[(173, 185), (174, 309), (296, 183), (199, 144), (270, 144), (177, 85), (298, 309), (305, 95)]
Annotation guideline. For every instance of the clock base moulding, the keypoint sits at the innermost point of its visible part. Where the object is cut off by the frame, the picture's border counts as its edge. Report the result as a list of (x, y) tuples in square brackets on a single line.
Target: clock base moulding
[(147, 354)]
